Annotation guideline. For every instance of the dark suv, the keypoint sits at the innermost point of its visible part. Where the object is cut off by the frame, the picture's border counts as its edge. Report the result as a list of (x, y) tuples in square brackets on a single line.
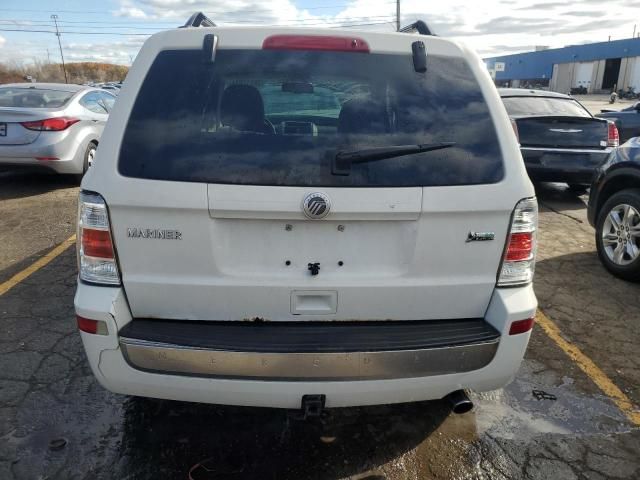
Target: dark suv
[(614, 210)]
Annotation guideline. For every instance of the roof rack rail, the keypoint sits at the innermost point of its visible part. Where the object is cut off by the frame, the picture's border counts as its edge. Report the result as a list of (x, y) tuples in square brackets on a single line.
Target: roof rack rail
[(419, 26), (198, 19)]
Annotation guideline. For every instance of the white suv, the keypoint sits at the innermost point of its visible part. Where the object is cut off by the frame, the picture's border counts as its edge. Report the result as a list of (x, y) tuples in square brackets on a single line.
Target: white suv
[(286, 217)]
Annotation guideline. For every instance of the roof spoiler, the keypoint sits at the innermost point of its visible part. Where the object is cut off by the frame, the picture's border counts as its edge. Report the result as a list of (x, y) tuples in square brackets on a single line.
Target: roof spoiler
[(417, 27), (198, 19)]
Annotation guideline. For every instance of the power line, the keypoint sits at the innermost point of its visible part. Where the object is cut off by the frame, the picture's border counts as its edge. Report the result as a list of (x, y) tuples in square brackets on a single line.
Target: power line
[(16, 21), (56, 10), (323, 7), (291, 21), (336, 24), (71, 33)]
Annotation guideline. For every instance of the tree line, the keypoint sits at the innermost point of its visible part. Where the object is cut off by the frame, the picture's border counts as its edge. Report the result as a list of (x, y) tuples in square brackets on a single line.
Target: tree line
[(77, 72)]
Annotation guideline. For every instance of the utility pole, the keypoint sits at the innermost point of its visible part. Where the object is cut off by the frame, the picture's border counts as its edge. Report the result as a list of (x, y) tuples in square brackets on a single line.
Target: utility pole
[(64, 68), (398, 15), (48, 56)]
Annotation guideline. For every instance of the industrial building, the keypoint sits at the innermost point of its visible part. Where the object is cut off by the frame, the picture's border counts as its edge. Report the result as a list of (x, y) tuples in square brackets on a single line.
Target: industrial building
[(598, 67)]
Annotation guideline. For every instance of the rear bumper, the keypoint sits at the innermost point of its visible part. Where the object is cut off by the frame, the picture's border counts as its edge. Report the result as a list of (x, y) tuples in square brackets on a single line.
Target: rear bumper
[(64, 166), (66, 147), (289, 378), (563, 165), (309, 351)]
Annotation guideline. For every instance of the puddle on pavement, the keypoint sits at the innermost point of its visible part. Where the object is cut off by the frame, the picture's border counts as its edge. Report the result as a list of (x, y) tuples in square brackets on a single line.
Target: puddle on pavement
[(118, 437), (514, 411)]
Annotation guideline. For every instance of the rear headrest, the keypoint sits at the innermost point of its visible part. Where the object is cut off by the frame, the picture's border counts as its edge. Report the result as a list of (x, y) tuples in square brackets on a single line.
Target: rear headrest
[(31, 100), (363, 115), (242, 108)]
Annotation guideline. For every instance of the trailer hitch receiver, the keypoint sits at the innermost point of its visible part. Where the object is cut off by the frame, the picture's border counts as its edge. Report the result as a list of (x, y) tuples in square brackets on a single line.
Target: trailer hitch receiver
[(312, 406)]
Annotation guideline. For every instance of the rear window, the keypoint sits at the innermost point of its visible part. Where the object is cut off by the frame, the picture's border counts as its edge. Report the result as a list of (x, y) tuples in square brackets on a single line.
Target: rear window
[(33, 98), (266, 117), (544, 106)]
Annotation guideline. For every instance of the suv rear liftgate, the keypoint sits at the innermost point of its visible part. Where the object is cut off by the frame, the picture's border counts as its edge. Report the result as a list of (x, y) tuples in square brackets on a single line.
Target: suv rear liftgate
[(304, 211)]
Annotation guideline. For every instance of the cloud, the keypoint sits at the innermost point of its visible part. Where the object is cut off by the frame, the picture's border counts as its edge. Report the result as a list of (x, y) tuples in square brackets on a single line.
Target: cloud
[(231, 11), (131, 12), (543, 6), (491, 27), (120, 52), (582, 13), (512, 24), (2, 41), (505, 49)]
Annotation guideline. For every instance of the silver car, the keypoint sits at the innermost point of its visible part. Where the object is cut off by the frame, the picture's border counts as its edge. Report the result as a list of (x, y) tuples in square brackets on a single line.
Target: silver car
[(51, 126)]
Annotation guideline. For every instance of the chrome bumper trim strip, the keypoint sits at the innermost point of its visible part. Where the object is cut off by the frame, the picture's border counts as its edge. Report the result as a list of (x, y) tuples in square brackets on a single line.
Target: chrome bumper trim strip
[(335, 366)]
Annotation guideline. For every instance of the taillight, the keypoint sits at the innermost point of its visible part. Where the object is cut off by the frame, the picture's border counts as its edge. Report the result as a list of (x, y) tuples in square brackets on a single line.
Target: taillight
[(315, 42), (514, 125), (518, 263), (613, 138), (96, 256), (56, 124)]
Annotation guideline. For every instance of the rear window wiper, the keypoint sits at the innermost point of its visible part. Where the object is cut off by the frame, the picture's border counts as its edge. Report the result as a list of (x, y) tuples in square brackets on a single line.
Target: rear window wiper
[(343, 159)]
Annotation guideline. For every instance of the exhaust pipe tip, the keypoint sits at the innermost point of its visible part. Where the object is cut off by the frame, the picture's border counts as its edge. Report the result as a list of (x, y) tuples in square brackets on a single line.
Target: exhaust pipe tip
[(459, 402)]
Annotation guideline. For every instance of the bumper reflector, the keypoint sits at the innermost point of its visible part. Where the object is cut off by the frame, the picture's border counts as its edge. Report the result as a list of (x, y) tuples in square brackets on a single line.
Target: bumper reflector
[(95, 327), (521, 326)]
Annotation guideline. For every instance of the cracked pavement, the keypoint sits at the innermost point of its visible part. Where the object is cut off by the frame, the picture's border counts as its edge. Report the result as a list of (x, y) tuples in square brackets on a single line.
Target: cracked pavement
[(56, 422)]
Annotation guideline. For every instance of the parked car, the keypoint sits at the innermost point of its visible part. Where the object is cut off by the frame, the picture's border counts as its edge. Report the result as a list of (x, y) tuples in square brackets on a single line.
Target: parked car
[(627, 120), (614, 211), (308, 220), (111, 89), (559, 139), (50, 126)]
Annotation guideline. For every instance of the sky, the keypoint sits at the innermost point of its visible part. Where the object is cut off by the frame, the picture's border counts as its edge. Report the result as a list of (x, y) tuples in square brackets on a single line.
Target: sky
[(113, 30)]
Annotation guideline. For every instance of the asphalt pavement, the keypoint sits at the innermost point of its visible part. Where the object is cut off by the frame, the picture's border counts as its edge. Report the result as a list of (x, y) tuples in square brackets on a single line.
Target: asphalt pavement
[(557, 420)]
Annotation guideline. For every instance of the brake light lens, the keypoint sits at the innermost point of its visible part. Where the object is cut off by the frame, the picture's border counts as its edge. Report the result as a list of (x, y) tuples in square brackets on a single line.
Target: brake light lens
[(315, 42), (520, 247), (518, 264), (56, 124), (521, 326), (96, 255), (613, 137), (97, 243)]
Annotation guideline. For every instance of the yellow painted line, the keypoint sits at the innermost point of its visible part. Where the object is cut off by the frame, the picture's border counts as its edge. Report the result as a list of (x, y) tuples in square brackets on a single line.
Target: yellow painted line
[(37, 265), (585, 364)]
